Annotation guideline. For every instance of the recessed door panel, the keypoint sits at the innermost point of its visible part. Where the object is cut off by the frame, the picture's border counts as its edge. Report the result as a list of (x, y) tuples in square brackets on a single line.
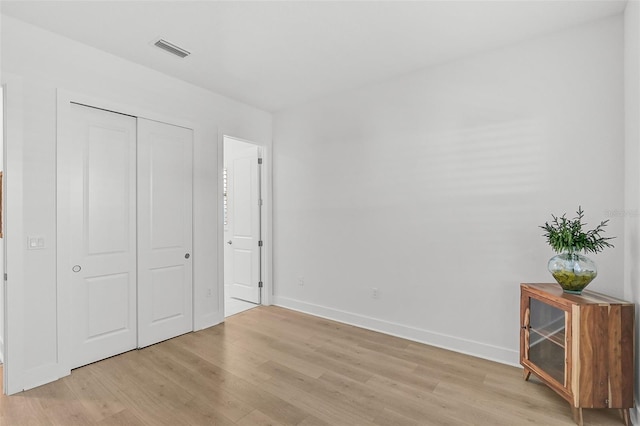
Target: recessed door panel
[(107, 190), (244, 171), (168, 294), (166, 187), (108, 309), (242, 267)]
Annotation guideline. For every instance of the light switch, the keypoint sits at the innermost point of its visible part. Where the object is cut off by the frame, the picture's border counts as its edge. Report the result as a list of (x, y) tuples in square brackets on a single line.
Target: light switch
[(35, 242)]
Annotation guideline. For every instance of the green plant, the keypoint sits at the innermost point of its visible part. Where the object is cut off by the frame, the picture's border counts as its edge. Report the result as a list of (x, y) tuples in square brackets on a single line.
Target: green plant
[(567, 235)]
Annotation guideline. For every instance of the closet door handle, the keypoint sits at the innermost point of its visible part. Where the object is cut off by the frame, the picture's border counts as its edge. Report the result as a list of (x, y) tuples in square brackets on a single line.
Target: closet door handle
[(186, 256), (76, 268), (229, 242)]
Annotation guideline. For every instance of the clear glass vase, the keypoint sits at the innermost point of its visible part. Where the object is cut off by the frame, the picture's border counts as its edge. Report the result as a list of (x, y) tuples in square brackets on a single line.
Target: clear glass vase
[(572, 271)]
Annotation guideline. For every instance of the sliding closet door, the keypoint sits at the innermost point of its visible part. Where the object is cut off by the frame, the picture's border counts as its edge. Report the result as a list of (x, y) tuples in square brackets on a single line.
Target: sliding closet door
[(165, 182), (102, 234)]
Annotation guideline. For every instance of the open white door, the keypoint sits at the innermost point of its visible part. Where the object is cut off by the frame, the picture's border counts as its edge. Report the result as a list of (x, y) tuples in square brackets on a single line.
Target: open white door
[(165, 187), (242, 235), (102, 236)]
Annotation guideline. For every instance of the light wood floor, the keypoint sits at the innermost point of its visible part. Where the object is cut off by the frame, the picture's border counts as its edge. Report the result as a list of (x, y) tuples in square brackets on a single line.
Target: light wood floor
[(272, 366)]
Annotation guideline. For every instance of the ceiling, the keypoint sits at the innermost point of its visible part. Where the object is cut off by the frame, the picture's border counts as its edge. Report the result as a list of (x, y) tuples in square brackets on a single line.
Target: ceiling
[(276, 54)]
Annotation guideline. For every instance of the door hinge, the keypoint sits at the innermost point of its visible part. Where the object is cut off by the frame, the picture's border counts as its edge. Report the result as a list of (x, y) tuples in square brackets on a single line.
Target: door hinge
[(259, 284), (259, 160), (5, 276), (260, 243), (260, 202)]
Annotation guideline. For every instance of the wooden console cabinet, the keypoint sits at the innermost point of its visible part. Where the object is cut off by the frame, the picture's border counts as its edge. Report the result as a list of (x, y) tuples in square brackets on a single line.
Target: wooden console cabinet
[(579, 345)]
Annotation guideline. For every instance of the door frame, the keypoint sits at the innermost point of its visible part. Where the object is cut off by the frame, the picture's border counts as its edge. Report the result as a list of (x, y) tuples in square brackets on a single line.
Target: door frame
[(266, 218), (64, 288)]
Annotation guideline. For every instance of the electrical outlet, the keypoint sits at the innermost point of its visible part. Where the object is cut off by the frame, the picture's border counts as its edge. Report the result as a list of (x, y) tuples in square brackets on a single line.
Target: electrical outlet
[(300, 281), (375, 293)]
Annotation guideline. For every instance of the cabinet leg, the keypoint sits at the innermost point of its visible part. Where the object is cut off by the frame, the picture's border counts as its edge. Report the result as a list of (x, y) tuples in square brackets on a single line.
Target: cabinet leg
[(625, 416), (526, 374), (577, 415)]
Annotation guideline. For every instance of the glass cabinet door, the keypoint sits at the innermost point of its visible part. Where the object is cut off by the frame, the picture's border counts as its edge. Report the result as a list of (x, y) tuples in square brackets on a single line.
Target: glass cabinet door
[(547, 339)]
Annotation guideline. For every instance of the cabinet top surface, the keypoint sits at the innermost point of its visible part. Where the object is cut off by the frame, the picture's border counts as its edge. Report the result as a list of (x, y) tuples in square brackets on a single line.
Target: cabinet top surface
[(587, 296)]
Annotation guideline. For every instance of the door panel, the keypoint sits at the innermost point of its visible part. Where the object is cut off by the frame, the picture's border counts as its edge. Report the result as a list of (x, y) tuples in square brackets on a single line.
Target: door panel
[(169, 174), (102, 234), (105, 312), (244, 225), (167, 298), (107, 191), (164, 231)]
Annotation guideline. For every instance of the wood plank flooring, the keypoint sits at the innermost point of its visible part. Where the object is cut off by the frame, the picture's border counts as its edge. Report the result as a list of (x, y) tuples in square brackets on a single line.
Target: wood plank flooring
[(272, 366)]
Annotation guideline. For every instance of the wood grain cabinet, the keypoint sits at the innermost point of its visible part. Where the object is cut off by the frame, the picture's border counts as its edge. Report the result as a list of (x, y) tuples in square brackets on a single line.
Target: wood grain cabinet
[(579, 345)]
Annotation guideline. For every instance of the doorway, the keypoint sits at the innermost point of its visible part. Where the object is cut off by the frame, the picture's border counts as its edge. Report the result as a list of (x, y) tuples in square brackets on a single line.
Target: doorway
[(242, 211)]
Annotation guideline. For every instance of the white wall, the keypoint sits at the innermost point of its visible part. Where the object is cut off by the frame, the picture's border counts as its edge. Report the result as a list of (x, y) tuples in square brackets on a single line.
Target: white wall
[(431, 189), (2, 240), (632, 166), (45, 62)]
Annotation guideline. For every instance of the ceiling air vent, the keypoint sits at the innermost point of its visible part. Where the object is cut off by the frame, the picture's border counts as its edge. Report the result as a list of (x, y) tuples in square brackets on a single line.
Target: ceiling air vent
[(172, 48)]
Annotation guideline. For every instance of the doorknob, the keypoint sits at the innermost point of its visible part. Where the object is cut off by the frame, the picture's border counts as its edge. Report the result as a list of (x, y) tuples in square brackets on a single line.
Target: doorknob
[(186, 256), (76, 268), (229, 242)]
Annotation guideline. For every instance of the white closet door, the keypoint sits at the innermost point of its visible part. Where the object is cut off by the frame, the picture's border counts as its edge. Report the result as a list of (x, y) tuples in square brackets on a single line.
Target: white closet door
[(102, 234), (165, 164)]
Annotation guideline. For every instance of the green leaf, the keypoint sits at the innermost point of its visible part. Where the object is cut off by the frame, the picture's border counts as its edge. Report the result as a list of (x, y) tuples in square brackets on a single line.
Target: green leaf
[(567, 235)]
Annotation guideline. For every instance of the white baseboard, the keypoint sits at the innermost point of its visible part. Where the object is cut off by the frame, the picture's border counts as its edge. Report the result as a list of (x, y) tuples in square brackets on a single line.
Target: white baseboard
[(635, 414), (208, 320), (465, 346), (42, 375)]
